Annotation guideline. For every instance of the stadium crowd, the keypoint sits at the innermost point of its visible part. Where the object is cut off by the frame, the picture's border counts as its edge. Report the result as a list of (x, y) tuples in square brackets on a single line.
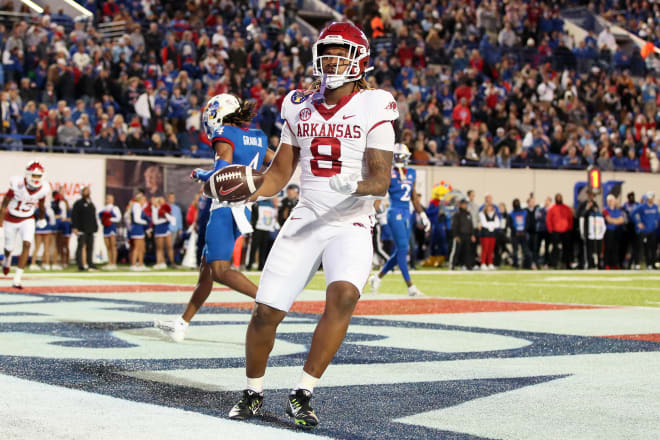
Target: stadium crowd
[(496, 84)]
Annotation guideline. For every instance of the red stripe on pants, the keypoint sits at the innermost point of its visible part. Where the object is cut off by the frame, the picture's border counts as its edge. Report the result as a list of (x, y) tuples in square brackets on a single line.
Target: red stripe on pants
[(487, 250)]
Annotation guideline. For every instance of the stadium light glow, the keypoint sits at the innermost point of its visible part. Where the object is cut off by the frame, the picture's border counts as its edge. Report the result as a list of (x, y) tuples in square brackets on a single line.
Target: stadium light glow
[(593, 178), (78, 7), (32, 5)]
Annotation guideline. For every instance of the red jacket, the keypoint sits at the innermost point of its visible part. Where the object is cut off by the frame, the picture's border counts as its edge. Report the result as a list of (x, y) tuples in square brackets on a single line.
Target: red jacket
[(559, 219)]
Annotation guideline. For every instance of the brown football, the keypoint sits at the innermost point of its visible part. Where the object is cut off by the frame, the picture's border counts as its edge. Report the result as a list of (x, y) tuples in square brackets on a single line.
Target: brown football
[(233, 183)]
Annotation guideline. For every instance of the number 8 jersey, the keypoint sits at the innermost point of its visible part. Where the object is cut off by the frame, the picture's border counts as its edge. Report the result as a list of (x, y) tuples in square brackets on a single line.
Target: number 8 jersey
[(333, 140)]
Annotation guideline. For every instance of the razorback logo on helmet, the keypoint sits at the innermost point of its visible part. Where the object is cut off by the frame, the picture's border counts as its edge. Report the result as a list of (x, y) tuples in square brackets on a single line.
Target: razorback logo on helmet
[(391, 106)]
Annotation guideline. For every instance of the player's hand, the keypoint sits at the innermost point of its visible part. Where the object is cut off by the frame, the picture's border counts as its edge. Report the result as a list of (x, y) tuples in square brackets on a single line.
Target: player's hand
[(41, 223), (74, 231), (425, 221), (382, 218), (640, 225), (195, 175), (343, 184)]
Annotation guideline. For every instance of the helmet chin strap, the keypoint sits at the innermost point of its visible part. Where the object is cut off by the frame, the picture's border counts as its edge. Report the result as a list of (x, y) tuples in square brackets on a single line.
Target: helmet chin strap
[(320, 95)]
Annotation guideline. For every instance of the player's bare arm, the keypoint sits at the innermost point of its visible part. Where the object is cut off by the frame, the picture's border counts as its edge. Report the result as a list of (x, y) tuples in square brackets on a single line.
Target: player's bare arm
[(279, 172), (415, 198), (224, 151), (379, 166), (42, 209), (3, 209), (268, 158)]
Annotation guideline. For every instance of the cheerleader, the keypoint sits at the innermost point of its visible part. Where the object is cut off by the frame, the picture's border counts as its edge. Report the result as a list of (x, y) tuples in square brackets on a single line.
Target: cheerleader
[(110, 216), (60, 208), (139, 224), (162, 219), (43, 236)]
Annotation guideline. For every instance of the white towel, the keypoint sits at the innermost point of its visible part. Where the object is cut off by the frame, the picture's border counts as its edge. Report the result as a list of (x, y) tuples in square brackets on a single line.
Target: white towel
[(241, 219)]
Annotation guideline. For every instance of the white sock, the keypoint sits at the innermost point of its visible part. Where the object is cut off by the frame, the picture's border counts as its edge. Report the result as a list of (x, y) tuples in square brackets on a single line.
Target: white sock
[(7, 261), (306, 382), (181, 321), (256, 384), (17, 275)]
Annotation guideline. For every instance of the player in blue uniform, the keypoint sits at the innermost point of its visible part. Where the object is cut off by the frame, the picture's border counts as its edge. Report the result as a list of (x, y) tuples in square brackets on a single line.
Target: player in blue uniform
[(224, 118), (401, 192)]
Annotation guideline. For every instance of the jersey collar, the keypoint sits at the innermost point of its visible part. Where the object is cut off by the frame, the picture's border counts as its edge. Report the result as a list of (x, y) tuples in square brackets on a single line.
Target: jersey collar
[(327, 113)]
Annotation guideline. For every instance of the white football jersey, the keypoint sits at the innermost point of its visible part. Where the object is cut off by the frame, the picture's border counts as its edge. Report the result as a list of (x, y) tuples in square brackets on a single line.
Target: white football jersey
[(333, 140), (23, 201)]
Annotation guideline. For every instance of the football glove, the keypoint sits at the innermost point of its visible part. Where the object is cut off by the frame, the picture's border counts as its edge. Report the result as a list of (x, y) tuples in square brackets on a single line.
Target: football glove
[(196, 175), (344, 184), (425, 221)]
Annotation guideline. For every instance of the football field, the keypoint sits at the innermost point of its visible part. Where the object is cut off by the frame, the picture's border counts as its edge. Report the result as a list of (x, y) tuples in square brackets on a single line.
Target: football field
[(496, 355)]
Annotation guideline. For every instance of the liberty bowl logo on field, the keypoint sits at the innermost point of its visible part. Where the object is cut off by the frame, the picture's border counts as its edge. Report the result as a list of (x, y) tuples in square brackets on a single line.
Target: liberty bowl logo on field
[(305, 114)]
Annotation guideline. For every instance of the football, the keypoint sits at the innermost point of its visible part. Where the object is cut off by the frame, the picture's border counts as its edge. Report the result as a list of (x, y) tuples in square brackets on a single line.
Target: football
[(233, 183)]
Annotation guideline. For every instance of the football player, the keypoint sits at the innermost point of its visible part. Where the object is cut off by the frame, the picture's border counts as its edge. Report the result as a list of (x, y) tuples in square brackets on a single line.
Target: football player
[(26, 194), (224, 119), (402, 191), (342, 137), (110, 216)]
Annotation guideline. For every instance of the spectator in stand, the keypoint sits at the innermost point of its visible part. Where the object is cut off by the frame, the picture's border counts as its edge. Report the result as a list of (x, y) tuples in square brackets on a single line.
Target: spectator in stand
[(559, 222), (83, 222), (615, 221), (646, 218), (490, 223)]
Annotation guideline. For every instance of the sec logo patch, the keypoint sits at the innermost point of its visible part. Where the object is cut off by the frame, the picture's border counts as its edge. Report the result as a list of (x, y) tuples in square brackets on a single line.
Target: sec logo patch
[(305, 114), (298, 97)]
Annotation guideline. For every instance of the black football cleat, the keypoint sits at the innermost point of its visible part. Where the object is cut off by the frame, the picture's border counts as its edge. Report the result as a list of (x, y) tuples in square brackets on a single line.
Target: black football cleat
[(248, 406), (299, 409)]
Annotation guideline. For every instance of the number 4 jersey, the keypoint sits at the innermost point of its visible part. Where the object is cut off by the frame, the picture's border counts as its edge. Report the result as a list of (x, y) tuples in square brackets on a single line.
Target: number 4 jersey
[(333, 140), (23, 201)]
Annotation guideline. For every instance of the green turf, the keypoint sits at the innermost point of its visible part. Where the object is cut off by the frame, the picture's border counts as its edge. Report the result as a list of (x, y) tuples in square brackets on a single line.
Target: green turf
[(606, 288)]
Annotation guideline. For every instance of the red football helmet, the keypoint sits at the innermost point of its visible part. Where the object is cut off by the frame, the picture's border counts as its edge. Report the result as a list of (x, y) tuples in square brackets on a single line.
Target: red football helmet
[(349, 36), (34, 173)]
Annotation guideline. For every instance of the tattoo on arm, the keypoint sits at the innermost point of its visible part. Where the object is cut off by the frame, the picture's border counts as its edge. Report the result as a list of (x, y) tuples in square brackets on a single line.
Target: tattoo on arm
[(379, 166)]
